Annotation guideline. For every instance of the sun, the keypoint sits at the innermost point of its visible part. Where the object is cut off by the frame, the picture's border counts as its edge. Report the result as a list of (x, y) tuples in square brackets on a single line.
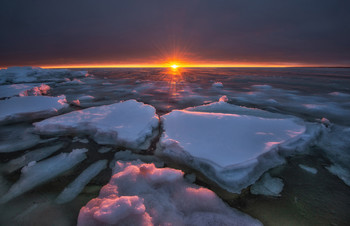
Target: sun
[(174, 66)]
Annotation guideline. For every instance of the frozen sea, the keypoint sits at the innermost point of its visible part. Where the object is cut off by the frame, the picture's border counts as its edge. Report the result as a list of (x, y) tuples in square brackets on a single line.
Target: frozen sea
[(59, 143)]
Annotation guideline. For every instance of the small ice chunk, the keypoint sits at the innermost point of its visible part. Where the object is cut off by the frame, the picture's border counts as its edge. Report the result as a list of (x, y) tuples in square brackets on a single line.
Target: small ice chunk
[(308, 169), (104, 149), (41, 172), (74, 188), (217, 85), (267, 185), (130, 124), (35, 155), (30, 107), (141, 194), (80, 140)]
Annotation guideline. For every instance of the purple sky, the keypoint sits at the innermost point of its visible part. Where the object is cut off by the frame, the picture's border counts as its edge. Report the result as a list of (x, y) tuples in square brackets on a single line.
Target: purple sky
[(51, 32)]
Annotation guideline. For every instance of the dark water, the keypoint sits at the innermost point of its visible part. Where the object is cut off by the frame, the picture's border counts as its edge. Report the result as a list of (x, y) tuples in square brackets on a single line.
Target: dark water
[(309, 93)]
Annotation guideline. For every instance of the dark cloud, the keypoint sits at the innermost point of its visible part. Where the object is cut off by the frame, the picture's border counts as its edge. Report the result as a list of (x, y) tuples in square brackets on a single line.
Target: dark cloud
[(61, 32)]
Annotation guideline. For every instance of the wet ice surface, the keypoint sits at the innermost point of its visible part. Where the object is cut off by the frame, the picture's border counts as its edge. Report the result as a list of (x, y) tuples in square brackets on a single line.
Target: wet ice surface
[(310, 94)]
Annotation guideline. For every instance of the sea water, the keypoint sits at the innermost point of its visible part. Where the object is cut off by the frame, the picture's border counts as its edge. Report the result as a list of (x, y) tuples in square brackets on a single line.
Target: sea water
[(313, 94)]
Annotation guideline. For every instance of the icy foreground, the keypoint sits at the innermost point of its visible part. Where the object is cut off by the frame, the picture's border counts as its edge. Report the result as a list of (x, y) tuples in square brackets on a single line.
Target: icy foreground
[(35, 173), (30, 107), (231, 149), (36, 74), (129, 124), (141, 194)]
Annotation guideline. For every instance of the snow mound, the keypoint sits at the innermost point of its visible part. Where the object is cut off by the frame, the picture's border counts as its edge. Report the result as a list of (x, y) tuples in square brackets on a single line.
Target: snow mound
[(232, 149), (74, 188), (267, 185), (141, 194), (35, 173), (30, 74), (30, 107), (129, 124), (217, 85)]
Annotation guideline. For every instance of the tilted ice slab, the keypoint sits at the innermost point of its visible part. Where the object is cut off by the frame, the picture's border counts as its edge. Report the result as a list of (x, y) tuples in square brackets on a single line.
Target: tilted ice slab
[(141, 194), (35, 155), (335, 144), (38, 173), (16, 138), (30, 107), (233, 150), (74, 188), (129, 124), (36, 74)]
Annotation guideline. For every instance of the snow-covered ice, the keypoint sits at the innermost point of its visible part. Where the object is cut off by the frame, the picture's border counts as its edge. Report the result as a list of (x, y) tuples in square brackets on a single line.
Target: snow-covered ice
[(267, 185), (30, 107), (130, 124), (36, 74), (308, 169), (36, 173), (232, 149), (74, 188), (29, 89), (141, 194)]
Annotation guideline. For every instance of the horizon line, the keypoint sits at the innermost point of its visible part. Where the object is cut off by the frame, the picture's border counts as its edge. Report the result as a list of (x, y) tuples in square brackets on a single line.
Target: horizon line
[(179, 65)]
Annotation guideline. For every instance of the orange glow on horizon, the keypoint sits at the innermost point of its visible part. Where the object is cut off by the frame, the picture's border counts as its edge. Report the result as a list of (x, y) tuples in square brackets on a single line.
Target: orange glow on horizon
[(178, 64), (175, 66)]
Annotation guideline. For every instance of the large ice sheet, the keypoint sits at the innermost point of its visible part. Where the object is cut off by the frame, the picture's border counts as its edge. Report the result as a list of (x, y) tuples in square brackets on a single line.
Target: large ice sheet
[(30, 107), (232, 149), (35, 174), (141, 194), (36, 74), (129, 124)]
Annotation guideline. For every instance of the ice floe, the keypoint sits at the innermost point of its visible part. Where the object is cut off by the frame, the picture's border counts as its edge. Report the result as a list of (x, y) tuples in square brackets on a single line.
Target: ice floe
[(130, 124), (36, 74), (36, 173), (74, 188), (30, 107), (268, 186), (141, 194), (232, 149)]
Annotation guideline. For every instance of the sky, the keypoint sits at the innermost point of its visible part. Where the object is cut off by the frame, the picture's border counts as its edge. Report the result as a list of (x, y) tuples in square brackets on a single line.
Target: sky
[(146, 32)]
